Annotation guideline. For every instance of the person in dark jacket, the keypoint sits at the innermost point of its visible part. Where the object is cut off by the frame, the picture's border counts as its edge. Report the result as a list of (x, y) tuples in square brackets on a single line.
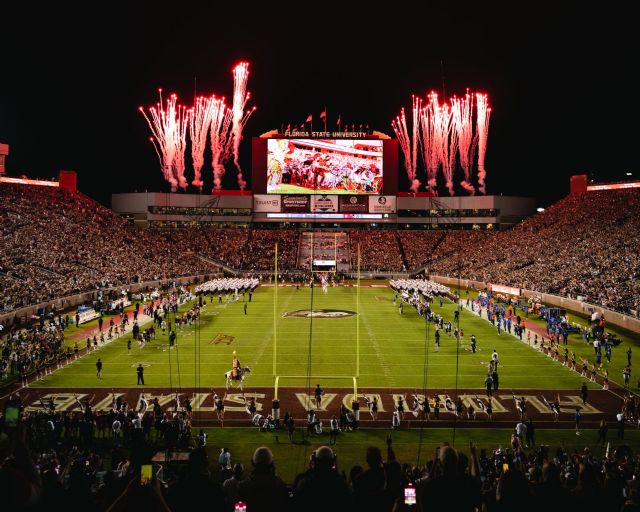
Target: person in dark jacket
[(263, 491), (322, 488)]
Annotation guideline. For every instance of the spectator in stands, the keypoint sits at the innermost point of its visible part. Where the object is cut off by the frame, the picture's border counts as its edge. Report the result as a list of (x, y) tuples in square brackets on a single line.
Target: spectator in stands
[(263, 491), (322, 488)]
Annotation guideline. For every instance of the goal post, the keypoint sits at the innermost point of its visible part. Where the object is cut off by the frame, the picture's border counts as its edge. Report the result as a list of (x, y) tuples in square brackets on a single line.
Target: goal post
[(278, 377)]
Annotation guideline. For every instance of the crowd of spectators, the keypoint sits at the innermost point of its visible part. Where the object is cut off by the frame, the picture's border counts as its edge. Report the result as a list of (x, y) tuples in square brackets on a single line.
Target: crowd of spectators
[(54, 244), (259, 252), (91, 461), (584, 246), (379, 251), (222, 245), (27, 349)]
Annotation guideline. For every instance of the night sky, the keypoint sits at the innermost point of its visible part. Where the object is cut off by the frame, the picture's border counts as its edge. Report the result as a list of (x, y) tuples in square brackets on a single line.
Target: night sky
[(559, 80)]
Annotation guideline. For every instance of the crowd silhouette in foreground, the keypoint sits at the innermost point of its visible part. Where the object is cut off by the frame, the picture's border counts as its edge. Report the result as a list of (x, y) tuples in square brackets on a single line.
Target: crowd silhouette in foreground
[(87, 461)]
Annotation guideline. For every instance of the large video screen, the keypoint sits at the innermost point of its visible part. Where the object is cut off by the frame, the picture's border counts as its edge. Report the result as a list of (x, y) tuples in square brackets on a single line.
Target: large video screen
[(324, 166)]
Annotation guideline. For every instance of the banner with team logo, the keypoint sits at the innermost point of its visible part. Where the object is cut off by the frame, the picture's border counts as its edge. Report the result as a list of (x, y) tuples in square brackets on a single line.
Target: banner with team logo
[(354, 204), (324, 204), (382, 204), (264, 203)]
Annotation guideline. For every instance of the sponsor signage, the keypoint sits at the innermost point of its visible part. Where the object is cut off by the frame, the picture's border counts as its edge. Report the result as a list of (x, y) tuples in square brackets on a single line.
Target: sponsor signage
[(265, 203), (382, 204), (324, 263), (324, 204), (509, 290), (354, 204), (295, 203)]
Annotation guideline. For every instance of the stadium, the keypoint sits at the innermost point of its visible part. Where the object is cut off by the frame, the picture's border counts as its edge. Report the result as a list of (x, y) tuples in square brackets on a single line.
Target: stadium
[(288, 295)]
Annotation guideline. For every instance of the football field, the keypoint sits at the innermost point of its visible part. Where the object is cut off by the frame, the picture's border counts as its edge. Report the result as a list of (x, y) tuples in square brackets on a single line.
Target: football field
[(395, 350)]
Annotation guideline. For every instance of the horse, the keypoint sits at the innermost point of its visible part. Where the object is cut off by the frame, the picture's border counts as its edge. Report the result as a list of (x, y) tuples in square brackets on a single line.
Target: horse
[(238, 380)]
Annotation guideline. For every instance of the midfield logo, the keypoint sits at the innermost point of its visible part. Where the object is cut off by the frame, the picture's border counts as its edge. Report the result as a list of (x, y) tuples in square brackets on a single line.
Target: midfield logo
[(319, 313)]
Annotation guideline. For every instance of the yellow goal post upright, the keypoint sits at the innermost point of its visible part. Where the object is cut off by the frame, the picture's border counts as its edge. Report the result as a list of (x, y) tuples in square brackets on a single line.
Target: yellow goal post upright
[(355, 405)]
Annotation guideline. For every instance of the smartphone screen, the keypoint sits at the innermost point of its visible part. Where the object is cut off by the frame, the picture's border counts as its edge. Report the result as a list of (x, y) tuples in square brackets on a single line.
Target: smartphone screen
[(146, 474), (11, 416), (409, 495)]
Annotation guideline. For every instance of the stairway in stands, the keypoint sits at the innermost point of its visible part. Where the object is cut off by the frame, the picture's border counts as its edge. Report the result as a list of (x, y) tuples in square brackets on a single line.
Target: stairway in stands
[(405, 262), (327, 245)]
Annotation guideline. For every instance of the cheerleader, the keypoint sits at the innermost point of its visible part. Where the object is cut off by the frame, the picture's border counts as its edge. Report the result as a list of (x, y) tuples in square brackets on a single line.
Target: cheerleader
[(374, 408), (251, 407), (555, 406), (395, 420), (490, 410), (436, 407), (585, 366), (605, 383), (219, 404), (400, 407), (522, 408)]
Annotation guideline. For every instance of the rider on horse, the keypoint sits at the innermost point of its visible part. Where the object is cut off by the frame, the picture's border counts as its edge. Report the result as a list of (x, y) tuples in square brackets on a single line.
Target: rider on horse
[(235, 367)]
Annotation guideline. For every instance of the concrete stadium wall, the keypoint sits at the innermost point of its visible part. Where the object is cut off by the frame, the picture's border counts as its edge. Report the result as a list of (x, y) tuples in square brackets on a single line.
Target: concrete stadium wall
[(612, 317), (81, 298)]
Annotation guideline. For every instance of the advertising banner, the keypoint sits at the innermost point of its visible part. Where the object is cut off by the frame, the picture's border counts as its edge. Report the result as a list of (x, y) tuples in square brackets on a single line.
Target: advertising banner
[(295, 204), (509, 290), (324, 204), (382, 204), (354, 204), (265, 203)]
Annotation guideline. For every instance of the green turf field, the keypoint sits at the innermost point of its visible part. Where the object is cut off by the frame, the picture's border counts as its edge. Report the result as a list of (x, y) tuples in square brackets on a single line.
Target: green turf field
[(392, 348), (351, 447)]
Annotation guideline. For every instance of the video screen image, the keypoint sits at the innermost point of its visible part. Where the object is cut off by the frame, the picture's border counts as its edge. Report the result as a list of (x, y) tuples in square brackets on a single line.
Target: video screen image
[(326, 166)]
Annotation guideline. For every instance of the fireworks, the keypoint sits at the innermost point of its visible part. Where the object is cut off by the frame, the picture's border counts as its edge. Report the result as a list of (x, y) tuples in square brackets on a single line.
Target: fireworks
[(445, 134), (484, 112), (240, 118), (462, 109), (164, 127), (220, 139), (199, 124), (180, 143), (208, 116)]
